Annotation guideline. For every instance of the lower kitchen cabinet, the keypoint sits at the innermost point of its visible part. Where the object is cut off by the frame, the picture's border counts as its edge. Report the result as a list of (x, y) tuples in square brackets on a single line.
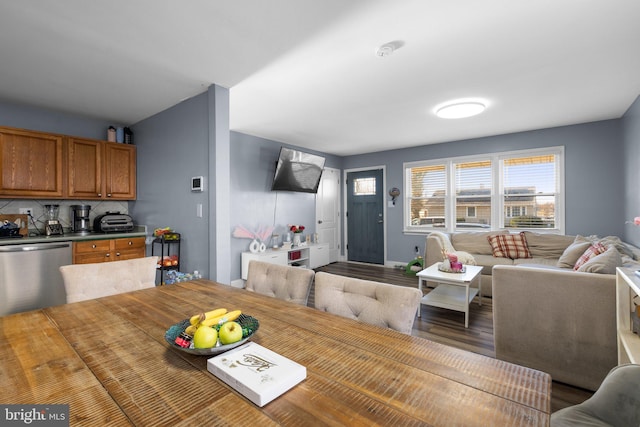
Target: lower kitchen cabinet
[(107, 250)]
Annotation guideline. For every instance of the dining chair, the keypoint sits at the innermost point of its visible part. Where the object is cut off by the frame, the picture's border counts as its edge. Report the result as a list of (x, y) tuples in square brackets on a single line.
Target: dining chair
[(89, 281), (615, 403), (380, 304), (280, 281)]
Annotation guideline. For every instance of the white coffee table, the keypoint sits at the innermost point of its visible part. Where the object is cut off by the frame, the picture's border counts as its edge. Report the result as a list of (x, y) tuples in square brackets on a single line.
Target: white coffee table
[(453, 291)]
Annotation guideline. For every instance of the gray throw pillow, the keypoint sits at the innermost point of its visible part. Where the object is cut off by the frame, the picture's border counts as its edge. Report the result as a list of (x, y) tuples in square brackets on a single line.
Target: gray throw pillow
[(604, 263), (572, 253), (547, 245)]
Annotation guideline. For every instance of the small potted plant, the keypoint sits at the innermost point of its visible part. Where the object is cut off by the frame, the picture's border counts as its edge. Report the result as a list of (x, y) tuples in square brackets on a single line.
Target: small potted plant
[(297, 232)]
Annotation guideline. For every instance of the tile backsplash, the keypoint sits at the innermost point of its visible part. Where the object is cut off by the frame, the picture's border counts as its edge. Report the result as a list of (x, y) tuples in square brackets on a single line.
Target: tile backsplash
[(98, 207)]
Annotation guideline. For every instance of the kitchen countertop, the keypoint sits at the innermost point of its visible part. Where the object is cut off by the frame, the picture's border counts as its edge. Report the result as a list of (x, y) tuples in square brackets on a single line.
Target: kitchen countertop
[(138, 231)]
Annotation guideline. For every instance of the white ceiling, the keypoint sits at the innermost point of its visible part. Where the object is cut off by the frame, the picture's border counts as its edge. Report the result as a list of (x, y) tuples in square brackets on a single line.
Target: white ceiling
[(304, 72)]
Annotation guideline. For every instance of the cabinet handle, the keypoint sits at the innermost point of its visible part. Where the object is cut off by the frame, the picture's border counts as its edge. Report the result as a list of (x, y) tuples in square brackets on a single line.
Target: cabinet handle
[(108, 194), (99, 194), (107, 255), (93, 246), (130, 243), (117, 253)]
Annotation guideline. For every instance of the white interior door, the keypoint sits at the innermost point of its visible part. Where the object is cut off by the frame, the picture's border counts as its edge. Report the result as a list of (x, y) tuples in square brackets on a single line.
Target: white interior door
[(328, 211)]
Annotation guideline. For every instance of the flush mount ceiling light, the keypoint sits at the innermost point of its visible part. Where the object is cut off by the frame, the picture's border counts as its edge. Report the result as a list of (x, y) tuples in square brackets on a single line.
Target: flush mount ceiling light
[(460, 109)]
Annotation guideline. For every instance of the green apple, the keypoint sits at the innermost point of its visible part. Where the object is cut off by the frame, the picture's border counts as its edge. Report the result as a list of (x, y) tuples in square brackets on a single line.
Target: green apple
[(230, 332), (205, 337)]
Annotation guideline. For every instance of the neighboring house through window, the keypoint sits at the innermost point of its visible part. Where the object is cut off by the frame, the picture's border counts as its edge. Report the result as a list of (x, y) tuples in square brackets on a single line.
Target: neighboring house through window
[(471, 211), (518, 189)]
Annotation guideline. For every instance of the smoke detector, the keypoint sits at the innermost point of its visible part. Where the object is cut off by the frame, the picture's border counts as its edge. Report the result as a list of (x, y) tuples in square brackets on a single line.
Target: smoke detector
[(388, 48)]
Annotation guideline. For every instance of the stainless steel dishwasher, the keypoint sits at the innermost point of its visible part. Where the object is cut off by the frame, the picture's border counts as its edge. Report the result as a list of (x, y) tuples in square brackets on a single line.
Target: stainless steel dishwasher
[(29, 276)]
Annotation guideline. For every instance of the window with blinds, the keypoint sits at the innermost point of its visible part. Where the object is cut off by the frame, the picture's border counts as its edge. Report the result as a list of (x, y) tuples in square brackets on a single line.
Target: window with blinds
[(530, 190), (520, 190), (473, 194), (428, 191)]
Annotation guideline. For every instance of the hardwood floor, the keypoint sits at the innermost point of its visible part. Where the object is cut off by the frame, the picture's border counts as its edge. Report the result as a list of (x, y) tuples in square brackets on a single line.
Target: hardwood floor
[(447, 326)]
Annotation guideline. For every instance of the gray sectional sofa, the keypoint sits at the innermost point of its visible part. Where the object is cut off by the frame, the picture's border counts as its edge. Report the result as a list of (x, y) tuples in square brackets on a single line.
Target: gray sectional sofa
[(546, 315)]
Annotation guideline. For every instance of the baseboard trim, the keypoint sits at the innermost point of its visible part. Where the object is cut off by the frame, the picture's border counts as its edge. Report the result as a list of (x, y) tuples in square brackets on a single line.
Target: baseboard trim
[(395, 264), (239, 283)]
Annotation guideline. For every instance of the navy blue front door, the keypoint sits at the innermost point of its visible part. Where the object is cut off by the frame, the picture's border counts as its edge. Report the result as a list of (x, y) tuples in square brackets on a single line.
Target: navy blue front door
[(365, 216)]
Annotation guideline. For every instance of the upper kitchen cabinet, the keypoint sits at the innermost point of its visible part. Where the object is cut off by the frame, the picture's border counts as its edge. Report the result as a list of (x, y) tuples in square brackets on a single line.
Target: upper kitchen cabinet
[(120, 171), (100, 170), (32, 164), (85, 161)]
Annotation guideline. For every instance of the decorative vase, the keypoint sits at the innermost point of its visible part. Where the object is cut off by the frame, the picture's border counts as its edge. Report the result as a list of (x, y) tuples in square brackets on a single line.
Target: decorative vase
[(263, 247), (296, 239), (254, 246)]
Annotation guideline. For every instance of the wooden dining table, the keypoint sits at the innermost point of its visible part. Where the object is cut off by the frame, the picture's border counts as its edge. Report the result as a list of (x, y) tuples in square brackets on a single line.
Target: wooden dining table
[(108, 360)]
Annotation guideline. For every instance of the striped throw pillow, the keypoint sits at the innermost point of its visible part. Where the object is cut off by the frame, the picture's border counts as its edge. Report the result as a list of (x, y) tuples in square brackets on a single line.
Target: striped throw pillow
[(509, 246), (592, 251)]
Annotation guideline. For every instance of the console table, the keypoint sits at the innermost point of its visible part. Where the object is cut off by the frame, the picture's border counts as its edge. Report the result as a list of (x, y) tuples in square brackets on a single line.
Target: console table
[(627, 287), (312, 255)]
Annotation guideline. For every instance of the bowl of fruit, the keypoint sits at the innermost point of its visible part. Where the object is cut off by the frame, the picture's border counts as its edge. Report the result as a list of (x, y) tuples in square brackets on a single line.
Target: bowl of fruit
[(212, 333)]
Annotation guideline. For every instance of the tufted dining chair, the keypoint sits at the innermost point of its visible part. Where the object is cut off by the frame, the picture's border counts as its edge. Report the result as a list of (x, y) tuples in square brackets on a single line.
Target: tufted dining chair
[(380, 304), (616, 402), (89, 281), (280, 281)]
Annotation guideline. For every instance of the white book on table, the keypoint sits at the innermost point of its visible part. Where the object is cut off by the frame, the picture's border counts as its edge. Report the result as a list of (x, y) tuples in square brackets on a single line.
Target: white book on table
[(256, 372)]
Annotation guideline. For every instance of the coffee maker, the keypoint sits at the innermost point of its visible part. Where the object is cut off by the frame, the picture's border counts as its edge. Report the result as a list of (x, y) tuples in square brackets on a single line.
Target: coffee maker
[(52, 226), (80, 218)]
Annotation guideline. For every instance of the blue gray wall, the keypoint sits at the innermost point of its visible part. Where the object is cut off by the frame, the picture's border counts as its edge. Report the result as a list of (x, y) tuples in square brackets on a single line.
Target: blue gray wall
[(631, 162), (253, 204), (602, 176), (592, 171), (33, 118), (172, 147), (183, 141)]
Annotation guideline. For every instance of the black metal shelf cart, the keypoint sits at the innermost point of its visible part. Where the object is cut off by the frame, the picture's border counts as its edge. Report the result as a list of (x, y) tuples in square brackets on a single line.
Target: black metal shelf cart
[(169, 253)]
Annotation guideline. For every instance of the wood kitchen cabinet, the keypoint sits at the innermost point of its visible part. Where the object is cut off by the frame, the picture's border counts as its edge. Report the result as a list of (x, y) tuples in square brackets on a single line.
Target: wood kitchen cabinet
[(101, 170), (120, 171), (84, 165), (51, 166), (107, 250), (32, 164)]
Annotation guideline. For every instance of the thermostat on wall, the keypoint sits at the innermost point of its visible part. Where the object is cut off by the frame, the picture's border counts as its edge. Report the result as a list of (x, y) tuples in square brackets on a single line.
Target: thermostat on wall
[(197, 183)]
